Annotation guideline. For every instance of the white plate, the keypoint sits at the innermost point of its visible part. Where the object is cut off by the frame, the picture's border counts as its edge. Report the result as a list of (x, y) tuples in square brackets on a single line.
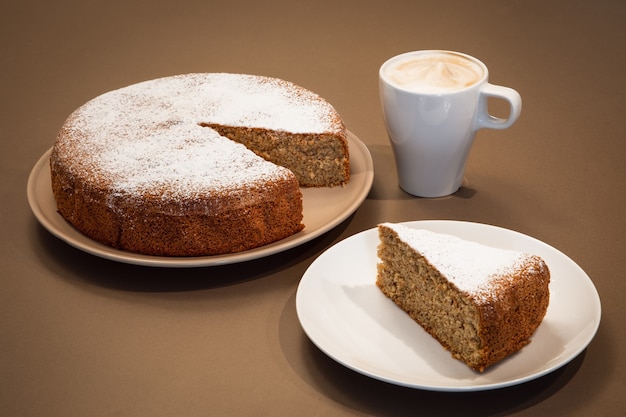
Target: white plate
[(344, 314), (324, 208)]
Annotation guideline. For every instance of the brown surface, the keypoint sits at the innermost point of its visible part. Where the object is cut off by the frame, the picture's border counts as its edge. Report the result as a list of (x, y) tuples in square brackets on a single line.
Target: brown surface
[(84, 336)]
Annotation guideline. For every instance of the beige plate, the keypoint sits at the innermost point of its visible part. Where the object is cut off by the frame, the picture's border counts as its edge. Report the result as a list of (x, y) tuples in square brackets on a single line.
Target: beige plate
[(324, 209)]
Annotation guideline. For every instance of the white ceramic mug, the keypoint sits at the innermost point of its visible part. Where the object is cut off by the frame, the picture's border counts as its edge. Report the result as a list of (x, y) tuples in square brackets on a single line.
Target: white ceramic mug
[(433, 104)]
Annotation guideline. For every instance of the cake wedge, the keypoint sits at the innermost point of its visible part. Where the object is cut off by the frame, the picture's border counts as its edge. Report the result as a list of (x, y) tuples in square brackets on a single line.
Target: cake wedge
[(481, 303)]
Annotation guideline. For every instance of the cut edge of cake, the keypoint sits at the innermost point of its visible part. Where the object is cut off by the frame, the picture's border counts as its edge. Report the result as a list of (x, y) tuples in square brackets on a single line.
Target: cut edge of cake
[(329, 168)]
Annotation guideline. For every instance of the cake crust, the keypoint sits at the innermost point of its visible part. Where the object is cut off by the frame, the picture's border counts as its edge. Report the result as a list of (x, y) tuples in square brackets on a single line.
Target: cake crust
[(144, 168), (480, 316)]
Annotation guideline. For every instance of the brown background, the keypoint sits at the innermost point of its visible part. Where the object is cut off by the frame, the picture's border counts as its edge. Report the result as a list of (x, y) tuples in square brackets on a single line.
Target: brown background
[(82, 336)]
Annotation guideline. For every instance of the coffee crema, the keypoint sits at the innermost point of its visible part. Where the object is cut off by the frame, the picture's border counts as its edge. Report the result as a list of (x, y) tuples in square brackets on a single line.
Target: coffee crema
[(433, 72)]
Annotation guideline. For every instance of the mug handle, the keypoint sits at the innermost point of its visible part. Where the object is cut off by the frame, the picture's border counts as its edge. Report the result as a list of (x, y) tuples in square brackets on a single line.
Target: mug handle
[(485, 120)]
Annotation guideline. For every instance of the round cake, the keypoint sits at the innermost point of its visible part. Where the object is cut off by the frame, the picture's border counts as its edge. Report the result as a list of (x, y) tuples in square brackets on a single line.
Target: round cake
[(196, 164)]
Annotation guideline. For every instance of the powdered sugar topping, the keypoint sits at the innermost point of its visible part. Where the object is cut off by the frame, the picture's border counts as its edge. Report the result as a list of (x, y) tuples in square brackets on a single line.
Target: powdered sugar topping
[(471, 266), (234, 100), (148, 135)]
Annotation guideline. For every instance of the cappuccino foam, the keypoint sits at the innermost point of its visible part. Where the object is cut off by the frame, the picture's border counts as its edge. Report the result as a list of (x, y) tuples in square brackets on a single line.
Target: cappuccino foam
[(435, 72)]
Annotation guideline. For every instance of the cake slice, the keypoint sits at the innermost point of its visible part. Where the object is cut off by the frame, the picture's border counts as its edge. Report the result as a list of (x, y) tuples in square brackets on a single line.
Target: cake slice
[(481, 303)]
